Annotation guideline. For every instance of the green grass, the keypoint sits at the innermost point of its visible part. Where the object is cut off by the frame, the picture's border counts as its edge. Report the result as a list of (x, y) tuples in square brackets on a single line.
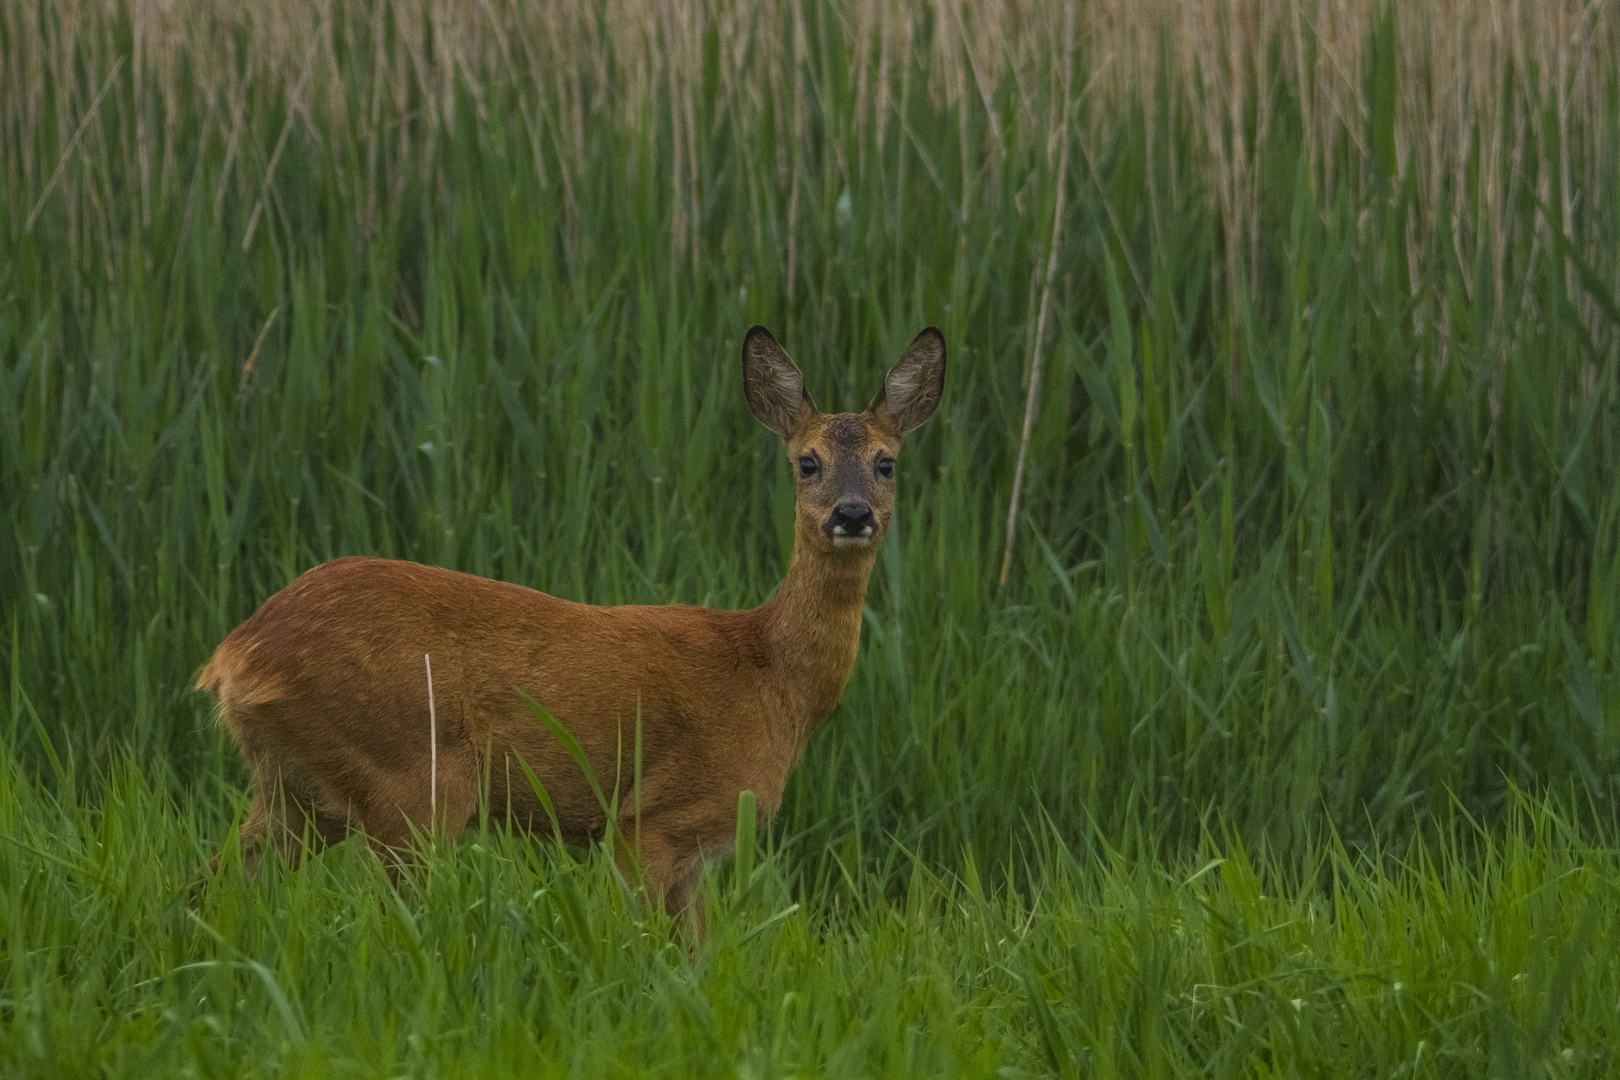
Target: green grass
[(502, 956), (1318, 569)]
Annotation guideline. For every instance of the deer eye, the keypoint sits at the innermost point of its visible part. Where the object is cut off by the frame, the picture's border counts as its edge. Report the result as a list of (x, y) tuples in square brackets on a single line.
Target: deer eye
[(885, 467), (807, 466)]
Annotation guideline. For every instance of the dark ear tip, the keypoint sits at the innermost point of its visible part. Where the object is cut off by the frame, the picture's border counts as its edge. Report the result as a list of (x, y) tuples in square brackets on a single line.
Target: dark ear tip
[(755, 333), (932, 335)]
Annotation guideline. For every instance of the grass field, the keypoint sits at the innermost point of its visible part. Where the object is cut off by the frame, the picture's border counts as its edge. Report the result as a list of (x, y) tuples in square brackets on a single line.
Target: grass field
[(1289, 745)]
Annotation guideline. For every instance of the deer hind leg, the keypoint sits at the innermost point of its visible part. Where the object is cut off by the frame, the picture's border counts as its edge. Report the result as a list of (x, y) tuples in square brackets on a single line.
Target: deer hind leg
[(397, 806), (671, 875), (328, 787), (286, 813), (684, 898)]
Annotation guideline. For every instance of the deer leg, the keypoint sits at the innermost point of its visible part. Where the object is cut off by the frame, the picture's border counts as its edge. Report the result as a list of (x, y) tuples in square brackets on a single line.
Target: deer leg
[(397, 806), (685, 898), (286, 812), (670, 877)]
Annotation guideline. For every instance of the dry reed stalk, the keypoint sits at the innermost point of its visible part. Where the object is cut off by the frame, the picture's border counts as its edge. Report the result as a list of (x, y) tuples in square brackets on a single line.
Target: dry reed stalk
[(800, 135), (1491, 96), (1042, 320), (1223, 45), (73, 144)]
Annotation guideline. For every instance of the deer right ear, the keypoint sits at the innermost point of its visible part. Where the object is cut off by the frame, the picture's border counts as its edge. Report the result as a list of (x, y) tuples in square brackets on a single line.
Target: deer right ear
[(773, 384), (912, 389)]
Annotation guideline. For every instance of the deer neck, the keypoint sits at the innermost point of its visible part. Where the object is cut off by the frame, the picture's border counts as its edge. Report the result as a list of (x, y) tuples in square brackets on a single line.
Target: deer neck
[(813, 628)]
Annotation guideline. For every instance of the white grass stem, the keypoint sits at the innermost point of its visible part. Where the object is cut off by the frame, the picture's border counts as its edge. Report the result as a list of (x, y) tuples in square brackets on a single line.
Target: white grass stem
[(433, 743)]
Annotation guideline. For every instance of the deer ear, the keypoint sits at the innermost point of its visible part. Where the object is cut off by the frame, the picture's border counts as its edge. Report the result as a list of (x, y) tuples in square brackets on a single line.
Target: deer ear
[(773, 385), (912, 388)]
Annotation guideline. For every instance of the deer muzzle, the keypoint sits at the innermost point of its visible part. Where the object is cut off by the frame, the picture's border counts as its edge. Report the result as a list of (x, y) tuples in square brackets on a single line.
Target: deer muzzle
[(851, 525)]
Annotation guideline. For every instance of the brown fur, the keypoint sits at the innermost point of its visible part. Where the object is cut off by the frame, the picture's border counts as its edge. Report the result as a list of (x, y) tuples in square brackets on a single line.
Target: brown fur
[(324, 687)]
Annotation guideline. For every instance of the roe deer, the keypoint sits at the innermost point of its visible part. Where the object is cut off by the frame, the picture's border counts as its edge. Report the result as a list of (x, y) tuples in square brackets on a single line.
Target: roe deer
[(326, 691)]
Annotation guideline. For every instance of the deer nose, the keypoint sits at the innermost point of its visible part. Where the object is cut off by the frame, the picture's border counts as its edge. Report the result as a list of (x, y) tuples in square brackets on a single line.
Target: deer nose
[(851, 519)]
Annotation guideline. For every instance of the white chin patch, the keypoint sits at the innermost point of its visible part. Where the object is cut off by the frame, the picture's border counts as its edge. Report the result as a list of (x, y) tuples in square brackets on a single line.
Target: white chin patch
[(851, 541)]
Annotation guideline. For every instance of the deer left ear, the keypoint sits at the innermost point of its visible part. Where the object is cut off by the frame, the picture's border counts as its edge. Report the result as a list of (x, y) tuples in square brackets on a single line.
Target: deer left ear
[(912, 388)]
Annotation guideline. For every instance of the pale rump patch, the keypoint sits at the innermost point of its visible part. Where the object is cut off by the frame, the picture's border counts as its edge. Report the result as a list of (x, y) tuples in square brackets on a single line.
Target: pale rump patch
[(236, 682)]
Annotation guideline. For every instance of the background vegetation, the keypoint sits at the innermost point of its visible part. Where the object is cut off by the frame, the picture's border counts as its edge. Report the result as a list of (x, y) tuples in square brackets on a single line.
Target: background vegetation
[(1290, 742)]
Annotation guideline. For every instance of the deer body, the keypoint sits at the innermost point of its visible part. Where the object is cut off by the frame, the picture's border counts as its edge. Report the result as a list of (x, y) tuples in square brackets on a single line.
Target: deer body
[(325, 689)]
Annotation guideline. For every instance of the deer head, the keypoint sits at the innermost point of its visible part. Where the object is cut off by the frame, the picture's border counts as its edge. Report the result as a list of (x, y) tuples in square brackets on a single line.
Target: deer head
[(844, 462)]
